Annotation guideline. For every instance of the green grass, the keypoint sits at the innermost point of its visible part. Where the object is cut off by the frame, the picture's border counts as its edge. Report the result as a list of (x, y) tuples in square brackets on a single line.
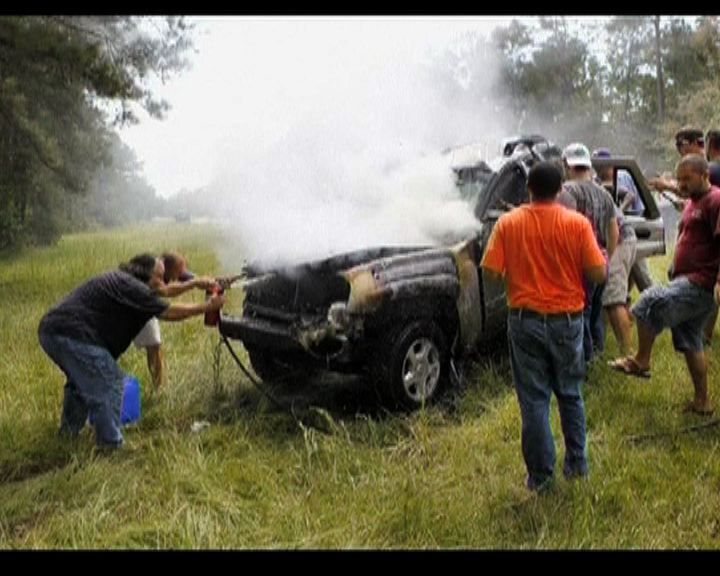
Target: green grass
[(341, 473)]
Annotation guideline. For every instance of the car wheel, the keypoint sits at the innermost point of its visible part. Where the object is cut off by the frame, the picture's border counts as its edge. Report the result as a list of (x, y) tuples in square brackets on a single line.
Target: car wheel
[(412, 364)]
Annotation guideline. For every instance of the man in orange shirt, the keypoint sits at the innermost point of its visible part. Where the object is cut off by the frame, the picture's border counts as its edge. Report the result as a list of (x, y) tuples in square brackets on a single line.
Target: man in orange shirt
[(543, 250)]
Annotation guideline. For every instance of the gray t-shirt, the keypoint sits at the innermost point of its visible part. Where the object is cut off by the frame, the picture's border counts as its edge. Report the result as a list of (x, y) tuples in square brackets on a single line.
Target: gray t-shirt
[(108, 310), (594, 202)]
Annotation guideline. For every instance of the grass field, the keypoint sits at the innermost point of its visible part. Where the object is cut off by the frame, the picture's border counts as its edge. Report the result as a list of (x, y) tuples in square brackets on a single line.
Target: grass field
[(339, 472)]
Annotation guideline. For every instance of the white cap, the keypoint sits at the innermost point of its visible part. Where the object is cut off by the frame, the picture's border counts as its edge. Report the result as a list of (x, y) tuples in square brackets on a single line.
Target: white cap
[(577, 154)]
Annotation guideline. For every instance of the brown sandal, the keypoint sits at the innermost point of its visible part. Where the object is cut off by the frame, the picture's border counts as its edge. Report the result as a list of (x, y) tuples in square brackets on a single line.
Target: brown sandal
[(629, 367)]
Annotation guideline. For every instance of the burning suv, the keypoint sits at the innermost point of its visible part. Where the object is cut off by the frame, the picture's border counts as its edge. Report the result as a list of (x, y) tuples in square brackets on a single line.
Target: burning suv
[(403, 315)]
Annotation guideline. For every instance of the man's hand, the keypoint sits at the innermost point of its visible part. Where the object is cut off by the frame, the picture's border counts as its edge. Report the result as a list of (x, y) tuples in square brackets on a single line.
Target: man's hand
[(215, 303), (204, 282), (678, 203), (661, 183), (227, 281)]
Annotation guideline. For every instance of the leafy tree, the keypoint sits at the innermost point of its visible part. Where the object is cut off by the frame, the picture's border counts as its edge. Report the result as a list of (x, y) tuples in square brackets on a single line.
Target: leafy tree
[(627, 40), (552, 77), (59, 77)]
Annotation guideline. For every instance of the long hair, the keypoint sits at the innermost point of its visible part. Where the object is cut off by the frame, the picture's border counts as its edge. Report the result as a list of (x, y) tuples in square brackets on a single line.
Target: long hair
[(141, 267)]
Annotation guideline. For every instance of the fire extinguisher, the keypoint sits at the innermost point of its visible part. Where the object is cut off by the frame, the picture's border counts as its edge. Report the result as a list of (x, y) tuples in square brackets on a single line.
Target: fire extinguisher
[(212, 317)]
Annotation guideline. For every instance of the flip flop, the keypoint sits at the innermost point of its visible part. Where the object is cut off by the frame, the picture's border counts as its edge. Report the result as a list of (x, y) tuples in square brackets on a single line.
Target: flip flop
[(629, 367), (690, 408)]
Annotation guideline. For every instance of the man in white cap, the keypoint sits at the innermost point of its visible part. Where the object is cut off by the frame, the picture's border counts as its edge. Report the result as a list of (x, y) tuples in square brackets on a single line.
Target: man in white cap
[(581, 193)]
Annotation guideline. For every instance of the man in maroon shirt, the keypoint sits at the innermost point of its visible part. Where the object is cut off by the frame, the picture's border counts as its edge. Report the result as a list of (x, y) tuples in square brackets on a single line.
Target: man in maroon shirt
[(686, 303)]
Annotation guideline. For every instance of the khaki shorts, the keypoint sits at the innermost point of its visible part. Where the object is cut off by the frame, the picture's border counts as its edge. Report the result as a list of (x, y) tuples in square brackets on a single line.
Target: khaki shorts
[(616, 288), (149, 335)]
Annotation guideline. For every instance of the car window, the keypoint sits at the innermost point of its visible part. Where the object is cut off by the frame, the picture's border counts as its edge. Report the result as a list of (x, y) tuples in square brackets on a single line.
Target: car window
[(508, 189), (471, 182), (625, 184)]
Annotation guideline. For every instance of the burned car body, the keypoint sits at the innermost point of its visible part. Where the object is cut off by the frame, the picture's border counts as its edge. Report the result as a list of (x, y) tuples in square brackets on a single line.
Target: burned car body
[(401, 314)]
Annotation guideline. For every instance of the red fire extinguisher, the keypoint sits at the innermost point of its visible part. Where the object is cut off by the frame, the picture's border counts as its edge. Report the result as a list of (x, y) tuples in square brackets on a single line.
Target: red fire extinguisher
[(212, 317)]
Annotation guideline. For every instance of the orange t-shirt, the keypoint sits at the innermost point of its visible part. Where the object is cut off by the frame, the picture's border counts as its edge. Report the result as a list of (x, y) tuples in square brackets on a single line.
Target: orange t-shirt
[(542, 249)]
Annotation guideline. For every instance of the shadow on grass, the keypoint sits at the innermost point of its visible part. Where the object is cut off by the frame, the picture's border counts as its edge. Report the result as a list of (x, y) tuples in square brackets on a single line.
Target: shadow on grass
[(41, 454), (320, 400)]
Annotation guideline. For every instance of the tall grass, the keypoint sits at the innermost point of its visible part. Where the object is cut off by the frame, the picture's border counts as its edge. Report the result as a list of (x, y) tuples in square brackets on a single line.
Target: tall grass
[(338, 471)]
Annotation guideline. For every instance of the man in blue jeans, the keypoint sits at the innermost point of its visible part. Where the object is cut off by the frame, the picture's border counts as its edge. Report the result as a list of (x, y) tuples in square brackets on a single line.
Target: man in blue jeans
[(87, 331), (544, 252), (581, 193)]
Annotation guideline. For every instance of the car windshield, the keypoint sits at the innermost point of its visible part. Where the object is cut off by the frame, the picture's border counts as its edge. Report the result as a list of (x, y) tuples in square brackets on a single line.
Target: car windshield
[(471, 182)]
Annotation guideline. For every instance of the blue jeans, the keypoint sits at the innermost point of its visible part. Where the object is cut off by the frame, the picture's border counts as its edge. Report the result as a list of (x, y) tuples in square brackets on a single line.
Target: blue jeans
[(546, 355), (94, 383), (593, 321)]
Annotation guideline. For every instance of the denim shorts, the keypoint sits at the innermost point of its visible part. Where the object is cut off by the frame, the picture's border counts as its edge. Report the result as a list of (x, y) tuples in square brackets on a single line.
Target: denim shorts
[(149, 335), (681, 306)]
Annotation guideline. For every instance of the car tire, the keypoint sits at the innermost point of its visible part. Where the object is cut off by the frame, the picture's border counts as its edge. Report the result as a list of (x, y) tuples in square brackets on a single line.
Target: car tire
[(411, 365)]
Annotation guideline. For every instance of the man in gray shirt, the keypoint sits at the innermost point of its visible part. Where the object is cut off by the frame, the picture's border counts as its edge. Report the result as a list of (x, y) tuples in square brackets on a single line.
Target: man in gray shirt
[(582, 194)]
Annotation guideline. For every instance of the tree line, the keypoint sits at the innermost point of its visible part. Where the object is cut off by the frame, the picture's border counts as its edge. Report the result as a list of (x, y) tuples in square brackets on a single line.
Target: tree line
[(67, 82), (626, 82)]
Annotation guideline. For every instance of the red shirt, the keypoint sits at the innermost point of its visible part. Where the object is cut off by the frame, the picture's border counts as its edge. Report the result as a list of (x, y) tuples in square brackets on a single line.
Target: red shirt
[(697, 253), (543, 248)]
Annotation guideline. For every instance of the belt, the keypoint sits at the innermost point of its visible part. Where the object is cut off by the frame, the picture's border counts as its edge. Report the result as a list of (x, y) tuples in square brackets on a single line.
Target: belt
[(527, 313)]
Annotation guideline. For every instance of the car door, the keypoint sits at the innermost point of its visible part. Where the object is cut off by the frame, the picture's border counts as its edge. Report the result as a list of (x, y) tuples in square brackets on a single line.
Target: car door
[(507, 190), (649, 226)]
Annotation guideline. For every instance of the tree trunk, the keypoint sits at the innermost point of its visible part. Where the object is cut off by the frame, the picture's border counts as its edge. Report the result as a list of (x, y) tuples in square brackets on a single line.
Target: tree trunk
[(659, 72)]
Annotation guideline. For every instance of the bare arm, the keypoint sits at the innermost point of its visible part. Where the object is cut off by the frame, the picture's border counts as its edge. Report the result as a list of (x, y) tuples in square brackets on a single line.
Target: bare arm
[(627, 200), (662, 183), (678, 203), (172, 289), (181, 310), (596, 274), (613, 237)]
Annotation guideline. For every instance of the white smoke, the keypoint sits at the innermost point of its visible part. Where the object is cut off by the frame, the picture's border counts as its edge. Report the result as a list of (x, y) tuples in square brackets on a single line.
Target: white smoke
[(339, 146)]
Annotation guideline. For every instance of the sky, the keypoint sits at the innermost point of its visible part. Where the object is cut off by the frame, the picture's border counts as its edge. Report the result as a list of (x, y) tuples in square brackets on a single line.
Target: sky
[(253, 78)]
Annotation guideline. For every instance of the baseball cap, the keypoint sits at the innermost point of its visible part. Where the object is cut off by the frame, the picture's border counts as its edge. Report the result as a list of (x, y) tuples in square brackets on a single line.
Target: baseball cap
[(601, 153), (577, 154)]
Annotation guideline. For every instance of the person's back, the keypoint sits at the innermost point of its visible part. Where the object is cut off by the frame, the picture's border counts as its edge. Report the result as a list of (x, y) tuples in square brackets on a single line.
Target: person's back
[(593, 201), (107, 310), (546, 273), (542, 250)]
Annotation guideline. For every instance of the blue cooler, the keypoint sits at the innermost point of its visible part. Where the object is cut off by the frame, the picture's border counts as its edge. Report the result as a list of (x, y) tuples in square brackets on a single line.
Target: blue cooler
[(131, 400), (131, 407)]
